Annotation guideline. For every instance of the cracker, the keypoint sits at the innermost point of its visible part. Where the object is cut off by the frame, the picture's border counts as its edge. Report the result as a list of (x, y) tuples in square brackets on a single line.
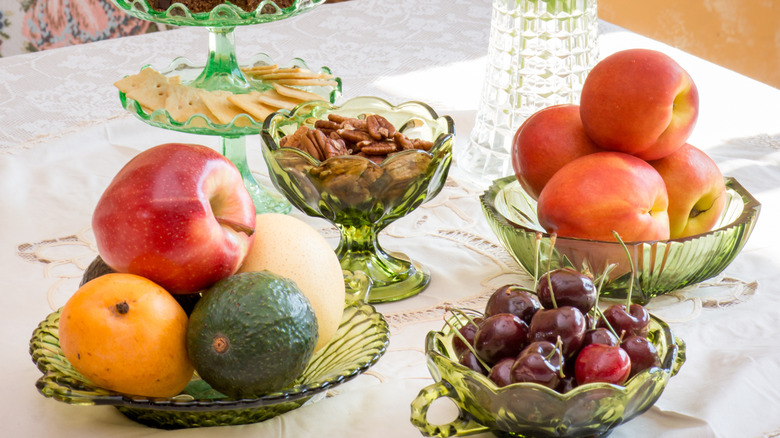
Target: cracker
[(304, 82), (276, 100), (259, 68), (250, 103), (296, 93), (224, 111), (149, 88), (183, 102)]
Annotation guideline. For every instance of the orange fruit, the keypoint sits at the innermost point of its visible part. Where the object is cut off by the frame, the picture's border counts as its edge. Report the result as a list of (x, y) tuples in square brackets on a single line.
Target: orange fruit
[(127, 334)]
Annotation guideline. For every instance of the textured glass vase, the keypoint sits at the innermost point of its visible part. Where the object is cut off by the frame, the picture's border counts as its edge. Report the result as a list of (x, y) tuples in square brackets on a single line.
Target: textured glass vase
[(539, 54)]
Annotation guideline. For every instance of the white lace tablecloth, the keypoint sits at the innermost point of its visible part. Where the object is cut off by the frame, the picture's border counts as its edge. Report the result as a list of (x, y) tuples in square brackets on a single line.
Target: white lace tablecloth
[(63, 135)]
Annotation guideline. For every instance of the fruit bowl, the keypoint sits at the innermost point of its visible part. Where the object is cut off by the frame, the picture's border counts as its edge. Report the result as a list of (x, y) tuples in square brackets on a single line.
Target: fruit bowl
[(360, 341), (533, 410), (661, 266), (359, 196)]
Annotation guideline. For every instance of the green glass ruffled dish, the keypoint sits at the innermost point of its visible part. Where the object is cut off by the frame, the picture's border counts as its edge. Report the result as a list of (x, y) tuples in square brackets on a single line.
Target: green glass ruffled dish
[(361, 197), (223, 15), (360, 341), (242, 124), (533, 410), (661, 266)]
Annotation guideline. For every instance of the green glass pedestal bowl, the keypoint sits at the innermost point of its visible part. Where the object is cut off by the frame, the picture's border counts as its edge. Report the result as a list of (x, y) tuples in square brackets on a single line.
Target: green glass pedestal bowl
[(532, 410), (361, 197), (360, 341), (660, 266)]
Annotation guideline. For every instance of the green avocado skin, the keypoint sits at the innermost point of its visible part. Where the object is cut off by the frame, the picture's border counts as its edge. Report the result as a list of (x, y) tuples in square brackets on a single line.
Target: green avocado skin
[(266, 328)]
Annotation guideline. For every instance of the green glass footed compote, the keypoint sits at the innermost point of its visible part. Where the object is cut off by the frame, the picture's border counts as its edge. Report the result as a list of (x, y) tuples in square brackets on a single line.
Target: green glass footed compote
[(360, 197), (222, 71)]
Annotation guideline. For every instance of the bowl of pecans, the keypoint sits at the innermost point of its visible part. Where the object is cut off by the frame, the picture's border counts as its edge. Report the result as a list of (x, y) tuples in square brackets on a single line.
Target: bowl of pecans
[(362, 165)]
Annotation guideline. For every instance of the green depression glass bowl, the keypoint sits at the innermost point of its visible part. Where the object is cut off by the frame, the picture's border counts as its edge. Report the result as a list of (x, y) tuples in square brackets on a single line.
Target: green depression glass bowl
[(360, 197), (358, 344), (660, 266), (223, 15), (533, 410)]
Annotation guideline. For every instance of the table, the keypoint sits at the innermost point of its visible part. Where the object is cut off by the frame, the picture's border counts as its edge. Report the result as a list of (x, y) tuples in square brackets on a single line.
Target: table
[(63, 135)]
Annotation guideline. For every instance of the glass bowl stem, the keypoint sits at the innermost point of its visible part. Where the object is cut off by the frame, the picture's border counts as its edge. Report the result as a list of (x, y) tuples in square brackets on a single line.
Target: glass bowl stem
[(234, 149), (394, 276)]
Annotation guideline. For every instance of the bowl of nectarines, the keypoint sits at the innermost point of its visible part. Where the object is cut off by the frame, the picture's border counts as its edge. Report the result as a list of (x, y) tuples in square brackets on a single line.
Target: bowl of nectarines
[(618, 169)]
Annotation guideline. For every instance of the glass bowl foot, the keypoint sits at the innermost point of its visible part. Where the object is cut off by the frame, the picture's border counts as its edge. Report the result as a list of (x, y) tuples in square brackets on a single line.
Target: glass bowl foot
[(380, 277)]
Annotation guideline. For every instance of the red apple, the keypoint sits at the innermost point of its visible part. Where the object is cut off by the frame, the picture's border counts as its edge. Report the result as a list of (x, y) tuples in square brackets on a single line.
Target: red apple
[(546, 141), (605, 191), (639, 101), (697, 192), (177, 214)]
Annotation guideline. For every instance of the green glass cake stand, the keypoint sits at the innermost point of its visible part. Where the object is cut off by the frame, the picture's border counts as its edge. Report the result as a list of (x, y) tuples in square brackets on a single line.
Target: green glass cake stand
[(222, 71)]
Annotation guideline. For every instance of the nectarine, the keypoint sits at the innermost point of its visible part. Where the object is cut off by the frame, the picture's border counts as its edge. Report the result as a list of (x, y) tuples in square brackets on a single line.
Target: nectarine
[(545, 142), (603, 192), (697, 192), (640, 102)]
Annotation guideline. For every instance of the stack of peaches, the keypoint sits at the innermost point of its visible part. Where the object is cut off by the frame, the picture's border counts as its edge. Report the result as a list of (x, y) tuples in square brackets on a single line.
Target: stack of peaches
[(619, 161)]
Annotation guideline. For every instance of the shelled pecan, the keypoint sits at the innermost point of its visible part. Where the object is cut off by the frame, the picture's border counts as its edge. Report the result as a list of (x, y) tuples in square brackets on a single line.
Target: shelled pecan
[(373, 137)]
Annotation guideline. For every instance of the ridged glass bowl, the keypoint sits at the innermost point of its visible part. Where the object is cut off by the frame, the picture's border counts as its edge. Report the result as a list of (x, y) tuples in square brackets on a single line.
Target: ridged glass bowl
[(360, 197), (360, 341), (661, 266), (533, 410)]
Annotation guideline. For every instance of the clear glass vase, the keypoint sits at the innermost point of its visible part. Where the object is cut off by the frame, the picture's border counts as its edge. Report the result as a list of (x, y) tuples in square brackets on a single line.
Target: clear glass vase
[(539, 54)]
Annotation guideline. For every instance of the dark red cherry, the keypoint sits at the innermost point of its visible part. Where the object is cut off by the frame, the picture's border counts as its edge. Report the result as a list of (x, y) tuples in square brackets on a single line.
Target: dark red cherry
[(468, 330), (540, 362), (633, 322), (568, 287), (602, 363), (499, 336), (512, 298), (566, 322), (468, 360), (600, 335), (566, 384), (501, 372), (642, 352)]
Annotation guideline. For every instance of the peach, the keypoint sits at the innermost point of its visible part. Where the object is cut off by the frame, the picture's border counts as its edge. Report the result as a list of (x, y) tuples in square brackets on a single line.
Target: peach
[(697, 192), (545, 142), (599, 193), (641, 102)]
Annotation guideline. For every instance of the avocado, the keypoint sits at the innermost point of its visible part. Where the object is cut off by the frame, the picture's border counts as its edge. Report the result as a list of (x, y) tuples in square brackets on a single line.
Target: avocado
[(99, 267), (251, 334), (95, 269)]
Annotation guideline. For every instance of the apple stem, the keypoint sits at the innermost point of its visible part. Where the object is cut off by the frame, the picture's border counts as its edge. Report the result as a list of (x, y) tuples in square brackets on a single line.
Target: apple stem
[(631, 264), (241, 228)]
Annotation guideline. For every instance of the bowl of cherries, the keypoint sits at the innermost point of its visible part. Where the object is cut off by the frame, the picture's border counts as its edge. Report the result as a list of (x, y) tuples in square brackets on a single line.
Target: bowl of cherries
[(547, 361)]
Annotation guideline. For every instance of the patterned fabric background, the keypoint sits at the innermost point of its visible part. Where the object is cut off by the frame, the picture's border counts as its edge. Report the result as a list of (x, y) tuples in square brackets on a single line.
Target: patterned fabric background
[(34, 25)]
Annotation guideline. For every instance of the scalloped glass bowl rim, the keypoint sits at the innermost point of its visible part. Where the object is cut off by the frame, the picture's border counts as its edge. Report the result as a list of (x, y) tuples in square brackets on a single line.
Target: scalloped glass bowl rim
[(182, 402), (672, 356), (749, 204), (356, 102), (199, 123), (223, 15)]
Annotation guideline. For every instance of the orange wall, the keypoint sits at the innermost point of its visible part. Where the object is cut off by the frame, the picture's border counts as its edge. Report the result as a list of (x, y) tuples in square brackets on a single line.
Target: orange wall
[(741, 35)]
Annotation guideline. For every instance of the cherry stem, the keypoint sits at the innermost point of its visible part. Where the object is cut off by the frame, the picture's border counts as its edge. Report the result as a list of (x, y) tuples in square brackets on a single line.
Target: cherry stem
[(537, 248), (633, 271), (549, 268), (457, 333), (604, 318), (559, 350)]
